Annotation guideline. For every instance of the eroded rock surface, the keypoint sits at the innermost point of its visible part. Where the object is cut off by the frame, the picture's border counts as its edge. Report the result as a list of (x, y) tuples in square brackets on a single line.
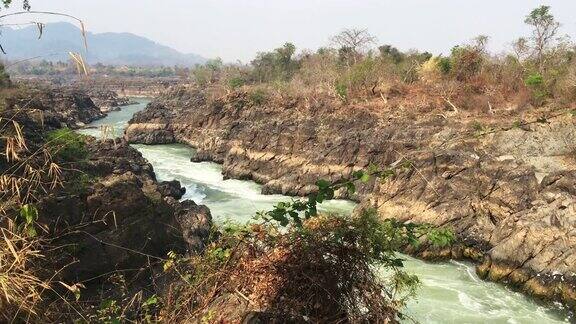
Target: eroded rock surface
[(57, 107), (108, 100), (507, 190), (110, 215)]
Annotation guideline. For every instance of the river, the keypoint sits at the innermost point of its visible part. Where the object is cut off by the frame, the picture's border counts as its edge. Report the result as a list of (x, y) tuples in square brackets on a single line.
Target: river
[(450, 292)]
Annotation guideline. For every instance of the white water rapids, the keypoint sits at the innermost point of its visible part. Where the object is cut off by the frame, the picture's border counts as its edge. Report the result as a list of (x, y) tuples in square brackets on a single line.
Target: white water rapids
[(450, 292)]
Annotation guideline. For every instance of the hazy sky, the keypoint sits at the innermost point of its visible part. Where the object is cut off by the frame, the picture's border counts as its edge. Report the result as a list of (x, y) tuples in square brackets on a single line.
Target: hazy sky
[(238, 29)]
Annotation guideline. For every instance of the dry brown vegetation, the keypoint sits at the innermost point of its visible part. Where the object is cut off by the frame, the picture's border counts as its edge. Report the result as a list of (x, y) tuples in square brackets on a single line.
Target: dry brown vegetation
[(539, 72), (322, 272)]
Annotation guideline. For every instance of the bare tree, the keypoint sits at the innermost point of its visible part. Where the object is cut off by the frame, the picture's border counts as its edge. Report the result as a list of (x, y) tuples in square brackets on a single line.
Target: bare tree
[(545, 28), (354, 41), (521, 49)]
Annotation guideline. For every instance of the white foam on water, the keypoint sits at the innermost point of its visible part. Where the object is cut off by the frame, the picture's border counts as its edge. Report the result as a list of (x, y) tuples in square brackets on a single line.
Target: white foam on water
[(228, 199), (450, 292)]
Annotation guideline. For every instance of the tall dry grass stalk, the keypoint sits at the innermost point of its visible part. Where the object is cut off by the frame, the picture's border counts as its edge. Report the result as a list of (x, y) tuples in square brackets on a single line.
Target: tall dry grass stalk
[(28, 173), (20, 287)]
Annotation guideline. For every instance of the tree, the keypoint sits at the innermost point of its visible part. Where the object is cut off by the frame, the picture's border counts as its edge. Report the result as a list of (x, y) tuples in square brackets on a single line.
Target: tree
[(467, 61), (520, 48), (353, 42), (391, 52), (276, 65), (545, 28)]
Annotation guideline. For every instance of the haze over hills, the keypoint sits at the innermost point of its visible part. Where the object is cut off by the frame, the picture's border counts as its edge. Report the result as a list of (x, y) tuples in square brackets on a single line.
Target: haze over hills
[(108, 48)]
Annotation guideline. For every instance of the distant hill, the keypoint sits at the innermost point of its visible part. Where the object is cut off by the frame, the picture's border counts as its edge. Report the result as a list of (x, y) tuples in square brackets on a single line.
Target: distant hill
[(106, 48)]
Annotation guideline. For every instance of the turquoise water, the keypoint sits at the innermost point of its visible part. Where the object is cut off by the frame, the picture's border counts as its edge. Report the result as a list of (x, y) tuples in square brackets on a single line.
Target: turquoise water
[(450, 292)]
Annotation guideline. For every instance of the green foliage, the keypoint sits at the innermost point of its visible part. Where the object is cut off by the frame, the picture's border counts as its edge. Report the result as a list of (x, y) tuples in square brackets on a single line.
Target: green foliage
[(109, 312), (439, 237), (258, 97), (445, 65), (207, 73), (79, 185), (477, 126), (540, 16), (537, 84), (148, 308), (296, 211), (359, 78), (28, 216), (534, 80), (236, 82), (341, 90), (278, 65), (480, 129), (389, 51), (67, 145)]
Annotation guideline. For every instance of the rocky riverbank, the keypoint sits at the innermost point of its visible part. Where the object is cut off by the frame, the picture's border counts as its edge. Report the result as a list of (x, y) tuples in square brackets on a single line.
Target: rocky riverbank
[(62, 107), (105, 213), (108, 100), (504, 182)]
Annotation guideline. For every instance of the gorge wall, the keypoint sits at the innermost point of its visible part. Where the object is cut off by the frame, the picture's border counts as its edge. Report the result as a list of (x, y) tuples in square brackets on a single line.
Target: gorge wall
[(504, 182)]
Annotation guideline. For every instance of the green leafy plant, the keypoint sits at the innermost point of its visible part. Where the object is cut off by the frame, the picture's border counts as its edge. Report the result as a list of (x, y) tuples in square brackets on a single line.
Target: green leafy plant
[(67, 145), (28, 216), (236, 82), (341, 91), (445, 65), (149, 308), (534, 80), (295, 212), (109, 312), (258, 97)]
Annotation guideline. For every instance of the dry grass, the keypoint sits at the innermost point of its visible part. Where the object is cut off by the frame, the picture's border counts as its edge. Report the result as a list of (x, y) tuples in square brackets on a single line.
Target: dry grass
[(20, 287), (325, 273)]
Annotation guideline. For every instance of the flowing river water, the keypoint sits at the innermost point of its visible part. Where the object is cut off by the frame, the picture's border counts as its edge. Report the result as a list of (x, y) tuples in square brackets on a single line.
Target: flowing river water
[(450, 292)]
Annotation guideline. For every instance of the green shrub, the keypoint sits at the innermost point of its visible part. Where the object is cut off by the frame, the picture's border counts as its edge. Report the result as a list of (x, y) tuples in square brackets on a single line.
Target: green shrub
[(363, 73), (341, 90), (537, 84), (67, 145), (236, 82), (445, 65), (534, 80), (258, 96)]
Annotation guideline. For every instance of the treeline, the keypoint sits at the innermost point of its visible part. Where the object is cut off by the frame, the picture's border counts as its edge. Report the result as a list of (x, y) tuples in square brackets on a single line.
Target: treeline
[(540, 67), (49, 68)]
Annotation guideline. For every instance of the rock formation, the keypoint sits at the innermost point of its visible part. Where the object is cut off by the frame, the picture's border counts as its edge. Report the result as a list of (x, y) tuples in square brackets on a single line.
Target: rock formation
[(111, 214), (504, 183), (108, 100), (61, 107)]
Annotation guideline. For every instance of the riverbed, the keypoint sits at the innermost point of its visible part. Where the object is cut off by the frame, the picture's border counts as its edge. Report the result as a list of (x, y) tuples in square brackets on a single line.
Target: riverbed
[(450, 292)]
